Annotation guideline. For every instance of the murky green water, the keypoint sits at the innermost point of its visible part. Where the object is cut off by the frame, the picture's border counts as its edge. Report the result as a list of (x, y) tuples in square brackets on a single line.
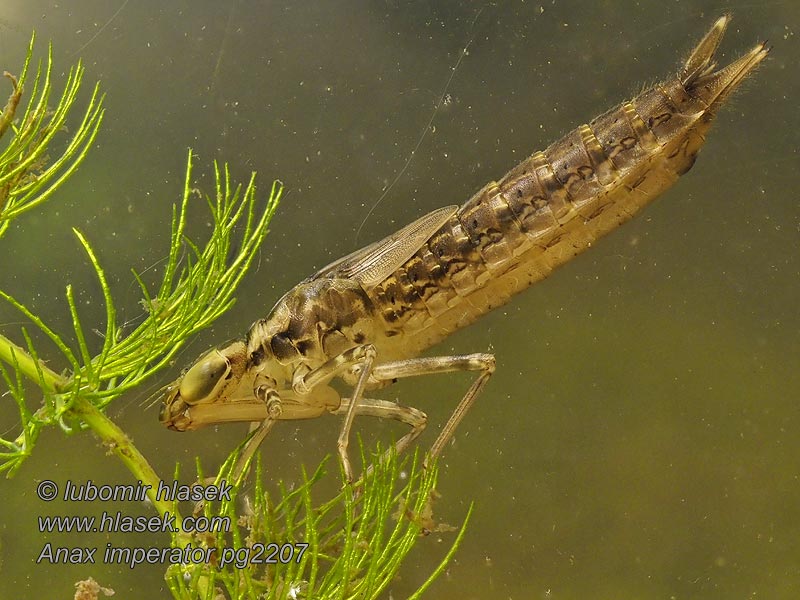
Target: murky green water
[(639, 438)]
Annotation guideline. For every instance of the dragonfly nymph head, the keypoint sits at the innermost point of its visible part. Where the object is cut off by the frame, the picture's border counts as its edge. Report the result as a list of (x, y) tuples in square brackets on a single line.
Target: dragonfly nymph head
[(211, 380)]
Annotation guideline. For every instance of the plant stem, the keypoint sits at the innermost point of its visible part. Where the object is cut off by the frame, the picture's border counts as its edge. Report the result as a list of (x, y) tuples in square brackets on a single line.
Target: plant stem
[(108, 431), (119, 443), (15, 355), (7, 116)]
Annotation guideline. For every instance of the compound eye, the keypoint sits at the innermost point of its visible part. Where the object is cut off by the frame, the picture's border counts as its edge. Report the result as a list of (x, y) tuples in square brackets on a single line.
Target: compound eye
[(204, 379)]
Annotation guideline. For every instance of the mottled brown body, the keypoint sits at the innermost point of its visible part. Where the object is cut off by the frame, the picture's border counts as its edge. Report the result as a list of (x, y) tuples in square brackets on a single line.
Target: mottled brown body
[(545, 211), (366, 317)]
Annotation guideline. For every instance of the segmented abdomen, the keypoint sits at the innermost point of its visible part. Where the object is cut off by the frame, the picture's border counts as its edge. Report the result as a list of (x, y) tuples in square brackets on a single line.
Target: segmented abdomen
[(548, 209), (554, 204)]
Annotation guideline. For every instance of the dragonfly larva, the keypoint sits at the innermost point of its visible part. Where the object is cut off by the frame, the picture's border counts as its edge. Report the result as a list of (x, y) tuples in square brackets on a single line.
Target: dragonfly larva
[(366, 317)]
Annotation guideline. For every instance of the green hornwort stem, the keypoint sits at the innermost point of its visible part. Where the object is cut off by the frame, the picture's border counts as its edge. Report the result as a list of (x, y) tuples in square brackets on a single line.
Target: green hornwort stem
[(121, 445), (108, 431), (10, 109), (11, 353)]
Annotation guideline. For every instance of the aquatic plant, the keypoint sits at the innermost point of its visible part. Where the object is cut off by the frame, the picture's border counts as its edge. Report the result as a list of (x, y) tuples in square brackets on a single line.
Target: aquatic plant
[(357, 540)]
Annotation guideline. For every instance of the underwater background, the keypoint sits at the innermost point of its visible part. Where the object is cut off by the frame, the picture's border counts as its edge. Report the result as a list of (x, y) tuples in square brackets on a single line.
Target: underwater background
[(640, 435)]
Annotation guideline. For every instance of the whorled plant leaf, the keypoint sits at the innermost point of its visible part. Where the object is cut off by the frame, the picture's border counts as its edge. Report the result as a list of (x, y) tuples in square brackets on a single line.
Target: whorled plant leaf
[(349, 546), (197, 287), (27, 176)]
